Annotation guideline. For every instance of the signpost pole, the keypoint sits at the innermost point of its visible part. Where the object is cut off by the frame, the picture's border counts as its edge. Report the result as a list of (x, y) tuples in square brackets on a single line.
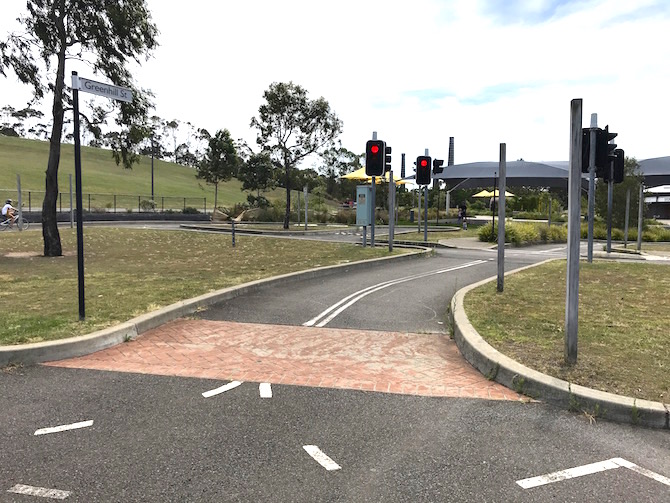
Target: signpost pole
[(501, 216), (574, 206), (78, 190), (592, 184)]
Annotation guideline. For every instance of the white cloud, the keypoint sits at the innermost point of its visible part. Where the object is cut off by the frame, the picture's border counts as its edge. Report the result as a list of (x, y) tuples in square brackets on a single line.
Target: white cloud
[(484, 72)]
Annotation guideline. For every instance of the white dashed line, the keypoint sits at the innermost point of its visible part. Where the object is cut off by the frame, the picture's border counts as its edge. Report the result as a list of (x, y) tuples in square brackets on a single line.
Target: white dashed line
[(222, 389), (590, 469), (321, 458), (42, 492), (265, 389), (64, 427)]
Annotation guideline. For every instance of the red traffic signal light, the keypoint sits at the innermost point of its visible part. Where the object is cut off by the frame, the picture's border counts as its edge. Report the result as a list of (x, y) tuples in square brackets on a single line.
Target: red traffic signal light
[(423, 165), (374, 158)]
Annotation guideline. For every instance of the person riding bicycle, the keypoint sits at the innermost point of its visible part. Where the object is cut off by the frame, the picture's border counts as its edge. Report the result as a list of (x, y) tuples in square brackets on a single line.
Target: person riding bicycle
[(8, 212)]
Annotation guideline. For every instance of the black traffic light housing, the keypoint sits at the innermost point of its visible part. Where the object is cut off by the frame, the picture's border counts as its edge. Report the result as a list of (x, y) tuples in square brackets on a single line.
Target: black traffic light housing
[(423, 166), (437, 166), (375, 156), (387, 159), (617, 160), (604, 150)]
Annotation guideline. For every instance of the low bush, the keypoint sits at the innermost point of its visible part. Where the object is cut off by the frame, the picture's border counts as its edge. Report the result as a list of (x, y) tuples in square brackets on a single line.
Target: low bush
[(525, 233), (190, 210)]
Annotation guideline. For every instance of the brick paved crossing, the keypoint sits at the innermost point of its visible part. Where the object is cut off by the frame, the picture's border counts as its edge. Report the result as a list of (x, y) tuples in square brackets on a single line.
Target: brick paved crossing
[(416, 364)]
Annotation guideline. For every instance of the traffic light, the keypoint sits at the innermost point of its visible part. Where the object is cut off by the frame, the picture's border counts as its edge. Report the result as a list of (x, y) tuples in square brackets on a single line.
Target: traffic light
[(374, 158), (604, 149), (617, 159), (437, 166), (387, 160), (423, 170)]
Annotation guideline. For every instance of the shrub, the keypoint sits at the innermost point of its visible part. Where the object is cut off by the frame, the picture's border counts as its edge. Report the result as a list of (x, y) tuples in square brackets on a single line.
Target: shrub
[(190, 210), (147, 205), (345, 217), (525, 233)]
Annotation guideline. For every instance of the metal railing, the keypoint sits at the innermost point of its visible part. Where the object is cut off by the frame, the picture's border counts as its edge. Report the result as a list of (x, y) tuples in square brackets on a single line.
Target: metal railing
[(110, 203)]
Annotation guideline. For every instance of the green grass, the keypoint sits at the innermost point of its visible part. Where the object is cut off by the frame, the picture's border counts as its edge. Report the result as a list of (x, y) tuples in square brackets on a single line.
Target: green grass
[(624, 315), (134, 271), (101, 175)]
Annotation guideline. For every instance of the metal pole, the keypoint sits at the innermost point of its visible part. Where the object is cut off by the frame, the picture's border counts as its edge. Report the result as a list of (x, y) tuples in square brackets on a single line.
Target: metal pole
[(298, 208), (592, 184), (77, 175), (493, 208), (425, 213), (610, 190), (372, 209), (20, 203), (391, 209), (365, 236), (574, 206), (233, 231), (625, 227), (304, 189), (418, 209), (640, 212), (501, 216), (71, 205), (152, 167)]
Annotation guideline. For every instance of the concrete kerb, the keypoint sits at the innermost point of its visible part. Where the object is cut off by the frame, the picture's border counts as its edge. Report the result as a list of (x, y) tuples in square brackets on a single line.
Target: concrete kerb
[(502, 369), (111, 336)]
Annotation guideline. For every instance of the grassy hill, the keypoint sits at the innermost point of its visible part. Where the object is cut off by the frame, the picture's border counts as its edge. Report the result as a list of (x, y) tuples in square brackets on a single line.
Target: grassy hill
[(101, 175)]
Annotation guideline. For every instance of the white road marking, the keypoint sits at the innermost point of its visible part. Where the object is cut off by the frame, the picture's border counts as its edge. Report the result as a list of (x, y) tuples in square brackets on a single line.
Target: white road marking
[(64, 427), (39, 491), (331, 312), (562, 248), (265, 389), (321, 458), (222, 389), (590, 469)]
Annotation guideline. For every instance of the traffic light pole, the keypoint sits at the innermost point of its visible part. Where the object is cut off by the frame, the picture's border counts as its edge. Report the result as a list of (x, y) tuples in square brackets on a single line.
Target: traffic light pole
[(592, 184), (501, 216), (372, 222), (574, 225), (425, 209), (610, 190), (391, 209)]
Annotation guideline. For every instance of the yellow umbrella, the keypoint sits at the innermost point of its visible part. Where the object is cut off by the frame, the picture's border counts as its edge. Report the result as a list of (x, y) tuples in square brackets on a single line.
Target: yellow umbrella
[(359, 174), (483, 193), (507, 194)]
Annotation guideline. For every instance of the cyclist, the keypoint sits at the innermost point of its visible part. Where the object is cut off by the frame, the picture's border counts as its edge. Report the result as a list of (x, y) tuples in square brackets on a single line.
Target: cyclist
[(8, 212)]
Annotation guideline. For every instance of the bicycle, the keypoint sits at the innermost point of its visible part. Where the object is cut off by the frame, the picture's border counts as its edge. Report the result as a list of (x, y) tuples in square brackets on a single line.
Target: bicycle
[(21, 224)]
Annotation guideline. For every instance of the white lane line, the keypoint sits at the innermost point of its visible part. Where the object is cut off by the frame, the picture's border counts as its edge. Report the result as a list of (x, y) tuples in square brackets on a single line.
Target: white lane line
[(64, 427), (222, 389), (562, 248), (265, 389), (642, 471), (39, 491), (570, 473), (321, 458), (590, 469), (348, 301)]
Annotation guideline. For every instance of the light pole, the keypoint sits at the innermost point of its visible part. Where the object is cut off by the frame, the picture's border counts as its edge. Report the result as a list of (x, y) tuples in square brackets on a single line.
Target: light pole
[(152, 166)]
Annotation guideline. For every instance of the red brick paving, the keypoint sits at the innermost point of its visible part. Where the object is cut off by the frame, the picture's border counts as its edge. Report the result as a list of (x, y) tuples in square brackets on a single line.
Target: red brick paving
[(389, 362)]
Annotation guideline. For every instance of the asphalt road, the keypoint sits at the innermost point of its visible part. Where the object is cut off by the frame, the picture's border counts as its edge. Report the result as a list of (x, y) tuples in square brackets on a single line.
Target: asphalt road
[(158, 439)]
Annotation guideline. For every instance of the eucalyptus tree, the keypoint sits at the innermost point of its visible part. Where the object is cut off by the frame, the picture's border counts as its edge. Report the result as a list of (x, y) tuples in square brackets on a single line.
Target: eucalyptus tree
[(292, 127), (104, 34), (220, 161)]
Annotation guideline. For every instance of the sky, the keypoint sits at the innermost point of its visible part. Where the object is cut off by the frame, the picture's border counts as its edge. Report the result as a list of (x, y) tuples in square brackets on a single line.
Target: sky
[(483, 71)]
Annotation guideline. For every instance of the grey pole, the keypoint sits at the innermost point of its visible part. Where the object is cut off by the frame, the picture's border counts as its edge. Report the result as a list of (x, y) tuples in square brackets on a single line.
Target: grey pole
[(625, 227), (501, 215), (152, 167), (391, 210), (549, 219), (304, 189), (20, 202), (418, 208), (71, 205), (298, 208), (77, 174), (374, 213), (592, 183), (425, 209), (574, 206), (610, 190), (640, 212)]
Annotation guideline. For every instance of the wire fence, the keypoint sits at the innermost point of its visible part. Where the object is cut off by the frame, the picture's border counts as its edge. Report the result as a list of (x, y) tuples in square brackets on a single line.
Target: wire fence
[(110, 203)]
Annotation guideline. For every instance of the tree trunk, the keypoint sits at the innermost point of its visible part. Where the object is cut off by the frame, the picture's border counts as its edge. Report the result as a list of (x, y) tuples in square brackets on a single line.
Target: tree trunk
[(52, 244), (288, 193)]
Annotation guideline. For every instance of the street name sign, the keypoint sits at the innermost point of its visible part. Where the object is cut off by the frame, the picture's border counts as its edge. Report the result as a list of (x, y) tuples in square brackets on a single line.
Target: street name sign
[(107, 90)]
